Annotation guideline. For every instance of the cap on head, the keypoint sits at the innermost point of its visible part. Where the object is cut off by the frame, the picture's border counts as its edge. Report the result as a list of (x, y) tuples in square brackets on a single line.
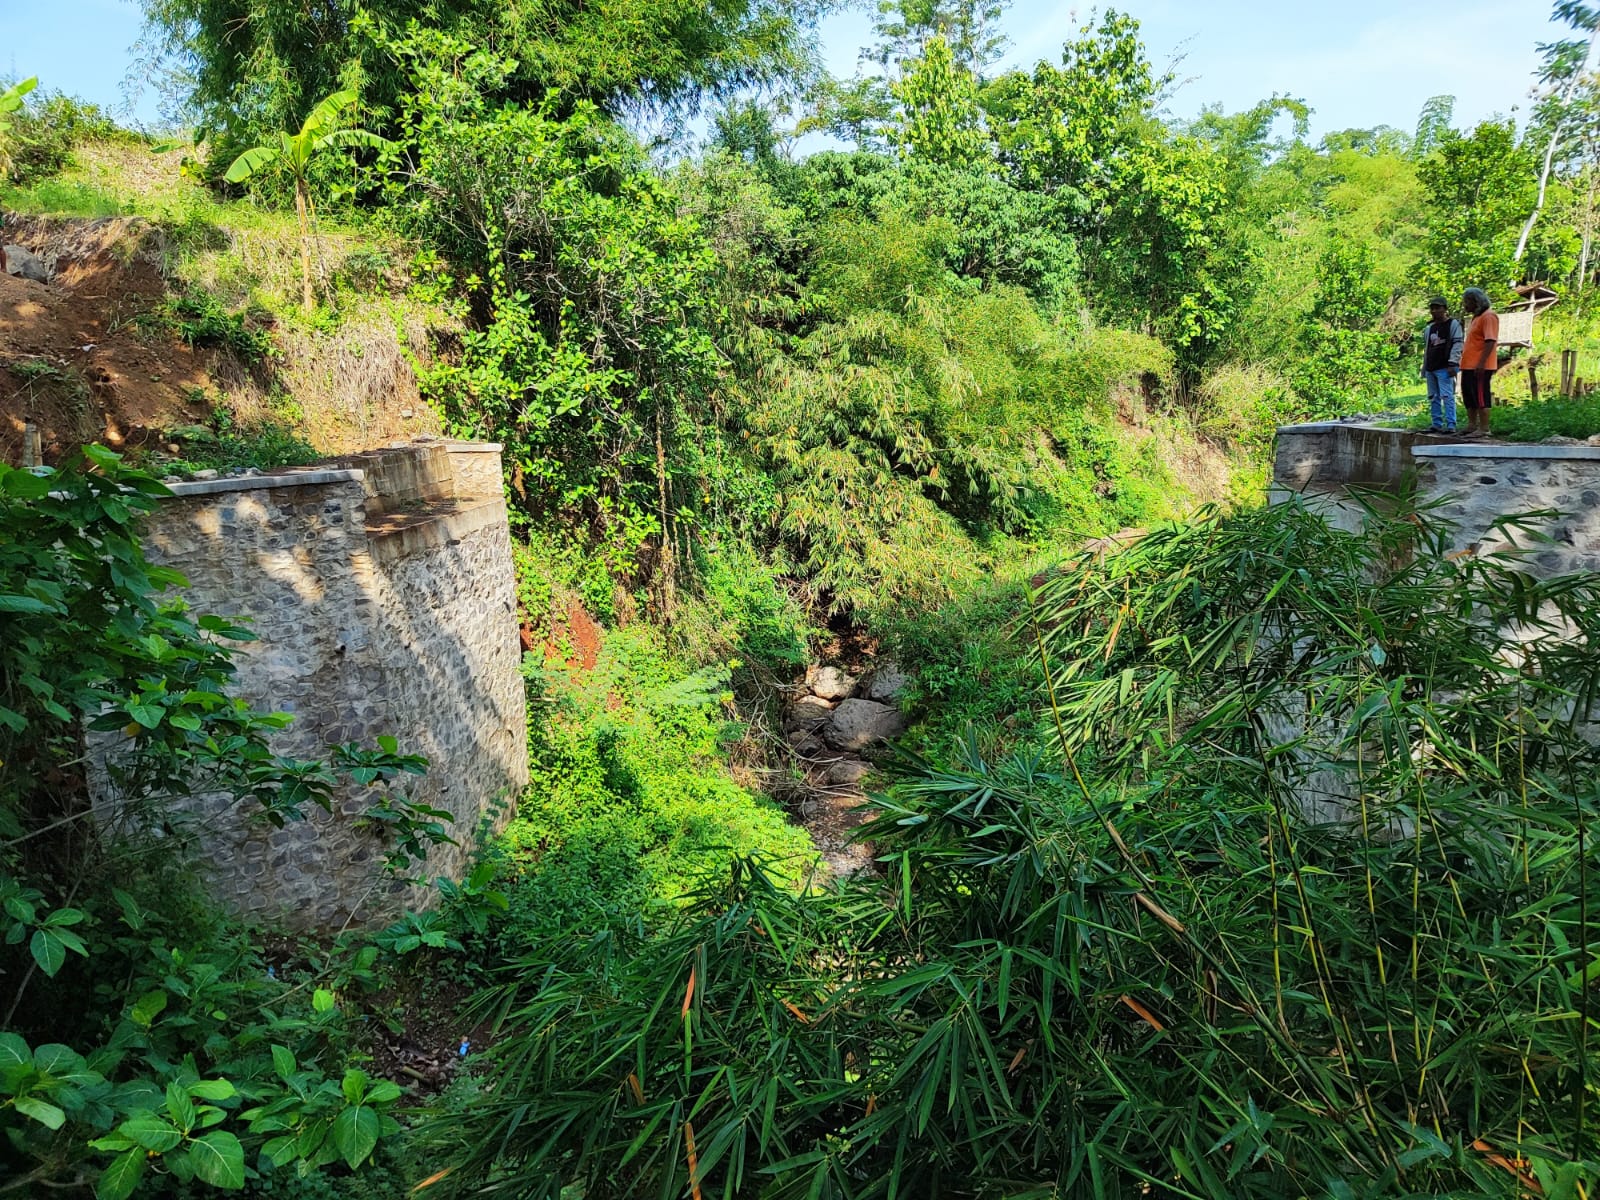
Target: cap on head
[(1438, 302)]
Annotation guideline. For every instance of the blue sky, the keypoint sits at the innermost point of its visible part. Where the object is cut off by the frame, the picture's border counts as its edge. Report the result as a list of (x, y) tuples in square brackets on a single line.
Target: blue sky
[(1359, 63)]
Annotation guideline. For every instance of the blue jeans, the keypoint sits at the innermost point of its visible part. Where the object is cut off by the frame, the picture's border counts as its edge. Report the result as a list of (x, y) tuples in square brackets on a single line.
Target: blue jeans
[(1441, 398)]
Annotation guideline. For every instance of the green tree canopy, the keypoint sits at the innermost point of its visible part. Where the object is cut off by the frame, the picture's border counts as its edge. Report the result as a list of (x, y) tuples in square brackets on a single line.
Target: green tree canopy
[(255, 65)]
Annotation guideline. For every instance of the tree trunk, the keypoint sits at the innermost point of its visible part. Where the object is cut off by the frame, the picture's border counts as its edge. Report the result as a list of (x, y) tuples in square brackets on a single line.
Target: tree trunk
[(1550, 150), (306, 298), (668, 564), (1588, 229), (1544, 184)]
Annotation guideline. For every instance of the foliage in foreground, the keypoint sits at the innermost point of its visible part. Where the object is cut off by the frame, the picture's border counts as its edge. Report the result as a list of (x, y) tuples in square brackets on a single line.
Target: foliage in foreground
[(1163, 977), (148, 1041), (630, 804)]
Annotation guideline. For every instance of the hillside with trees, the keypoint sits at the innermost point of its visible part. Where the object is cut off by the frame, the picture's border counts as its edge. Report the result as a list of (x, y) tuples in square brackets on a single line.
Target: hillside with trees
[(794, 370)]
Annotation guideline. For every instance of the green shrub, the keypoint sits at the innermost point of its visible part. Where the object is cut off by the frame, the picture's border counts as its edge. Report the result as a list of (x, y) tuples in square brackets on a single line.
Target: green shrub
[(201, 320), (45, 131), (631, 804), (1135, 960), (1242, 406), (264, 443), (57, 197), (744, 612), (1578, 417)]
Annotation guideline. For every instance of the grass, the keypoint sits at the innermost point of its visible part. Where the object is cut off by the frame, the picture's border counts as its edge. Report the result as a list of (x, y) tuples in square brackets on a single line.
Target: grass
[(233, 267), (264, 444), (63, 197)]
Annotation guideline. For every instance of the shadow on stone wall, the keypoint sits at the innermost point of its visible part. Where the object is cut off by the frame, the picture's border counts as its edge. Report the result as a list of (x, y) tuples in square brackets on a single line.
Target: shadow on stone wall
[(377, 612)]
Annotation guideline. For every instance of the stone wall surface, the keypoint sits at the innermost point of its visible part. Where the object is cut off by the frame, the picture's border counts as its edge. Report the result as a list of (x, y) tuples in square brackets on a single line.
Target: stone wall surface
[(1478, 485), (400, 622), (1334, 454), (1473, 487)]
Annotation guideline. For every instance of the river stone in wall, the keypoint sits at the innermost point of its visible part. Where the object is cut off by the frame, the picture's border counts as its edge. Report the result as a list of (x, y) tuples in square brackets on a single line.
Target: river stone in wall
[(857, 724)]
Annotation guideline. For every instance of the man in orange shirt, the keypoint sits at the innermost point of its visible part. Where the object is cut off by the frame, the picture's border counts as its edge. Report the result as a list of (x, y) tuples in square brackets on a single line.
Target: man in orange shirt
[(1480, 359)]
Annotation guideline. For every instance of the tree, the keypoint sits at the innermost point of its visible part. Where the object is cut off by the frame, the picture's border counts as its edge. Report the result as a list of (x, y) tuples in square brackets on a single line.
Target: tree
[(1432, 124), (939, 116), (1346, 355), (969, 26), (297, 152), (1068, 126), (1566, 67), (257, 64), (10, 102), (1478, 186)]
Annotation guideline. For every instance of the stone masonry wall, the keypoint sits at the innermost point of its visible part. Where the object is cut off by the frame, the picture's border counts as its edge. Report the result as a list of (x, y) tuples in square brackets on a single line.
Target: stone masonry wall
[(1472, 486), (1479, 484), (396, 623)]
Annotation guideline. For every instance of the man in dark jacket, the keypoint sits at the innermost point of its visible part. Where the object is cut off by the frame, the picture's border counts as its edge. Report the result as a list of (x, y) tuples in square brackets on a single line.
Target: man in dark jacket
[(1441, 360)]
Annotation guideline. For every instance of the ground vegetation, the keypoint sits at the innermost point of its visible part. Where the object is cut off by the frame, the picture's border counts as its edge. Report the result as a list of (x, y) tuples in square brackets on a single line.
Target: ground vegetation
[(759, 409)]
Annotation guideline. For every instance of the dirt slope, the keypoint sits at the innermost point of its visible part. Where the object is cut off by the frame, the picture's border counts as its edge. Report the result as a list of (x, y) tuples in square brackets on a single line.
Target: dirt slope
[(82, 357)]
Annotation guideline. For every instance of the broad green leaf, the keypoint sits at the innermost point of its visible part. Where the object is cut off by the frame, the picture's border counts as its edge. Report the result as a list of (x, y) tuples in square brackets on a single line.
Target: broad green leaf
[(251, 163), (213, 1089), (55, 1059), (282, 1062), (41, 1111), (147, 1008), (147, 715), (13, 1051), (325, 114), (180, 1107), (11, 98), (22, 604), (118, 1180), (353, 138), (218, 1159), (322, 1000), (355, 1133), (280, 1150), (354, 1085), (48, 950), (383, 1092), (151, 1131), (21, 910)]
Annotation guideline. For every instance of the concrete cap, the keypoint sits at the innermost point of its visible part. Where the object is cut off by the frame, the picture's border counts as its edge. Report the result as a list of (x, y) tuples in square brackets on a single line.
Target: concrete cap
[(251, 483), (1504, 450)]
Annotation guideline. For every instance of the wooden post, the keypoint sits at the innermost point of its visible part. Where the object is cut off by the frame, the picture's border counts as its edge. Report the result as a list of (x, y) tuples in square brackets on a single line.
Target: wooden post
[(30, 446), (1533, 382), (1569, 371)]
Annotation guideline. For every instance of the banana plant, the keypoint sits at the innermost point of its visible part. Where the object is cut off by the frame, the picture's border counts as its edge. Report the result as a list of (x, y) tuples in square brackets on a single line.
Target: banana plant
[(10, 102), (296, 152)]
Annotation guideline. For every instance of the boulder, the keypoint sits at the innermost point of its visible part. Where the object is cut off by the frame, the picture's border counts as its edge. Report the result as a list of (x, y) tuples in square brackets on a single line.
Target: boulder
[(846, 772), (886, 683), (24, 262), (831, 683), (808, 712), (804, 742), (857, 724)]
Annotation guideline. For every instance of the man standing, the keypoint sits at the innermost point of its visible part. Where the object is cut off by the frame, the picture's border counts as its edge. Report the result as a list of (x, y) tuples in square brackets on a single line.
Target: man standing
[(1441, 359), (1480, 359)]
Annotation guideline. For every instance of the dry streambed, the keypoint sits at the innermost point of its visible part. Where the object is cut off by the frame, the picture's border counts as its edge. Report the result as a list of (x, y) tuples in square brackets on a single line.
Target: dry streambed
[(833, 722)]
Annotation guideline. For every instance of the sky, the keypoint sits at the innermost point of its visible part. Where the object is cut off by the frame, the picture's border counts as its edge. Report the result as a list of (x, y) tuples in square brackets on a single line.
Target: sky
[(1357, 64)]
